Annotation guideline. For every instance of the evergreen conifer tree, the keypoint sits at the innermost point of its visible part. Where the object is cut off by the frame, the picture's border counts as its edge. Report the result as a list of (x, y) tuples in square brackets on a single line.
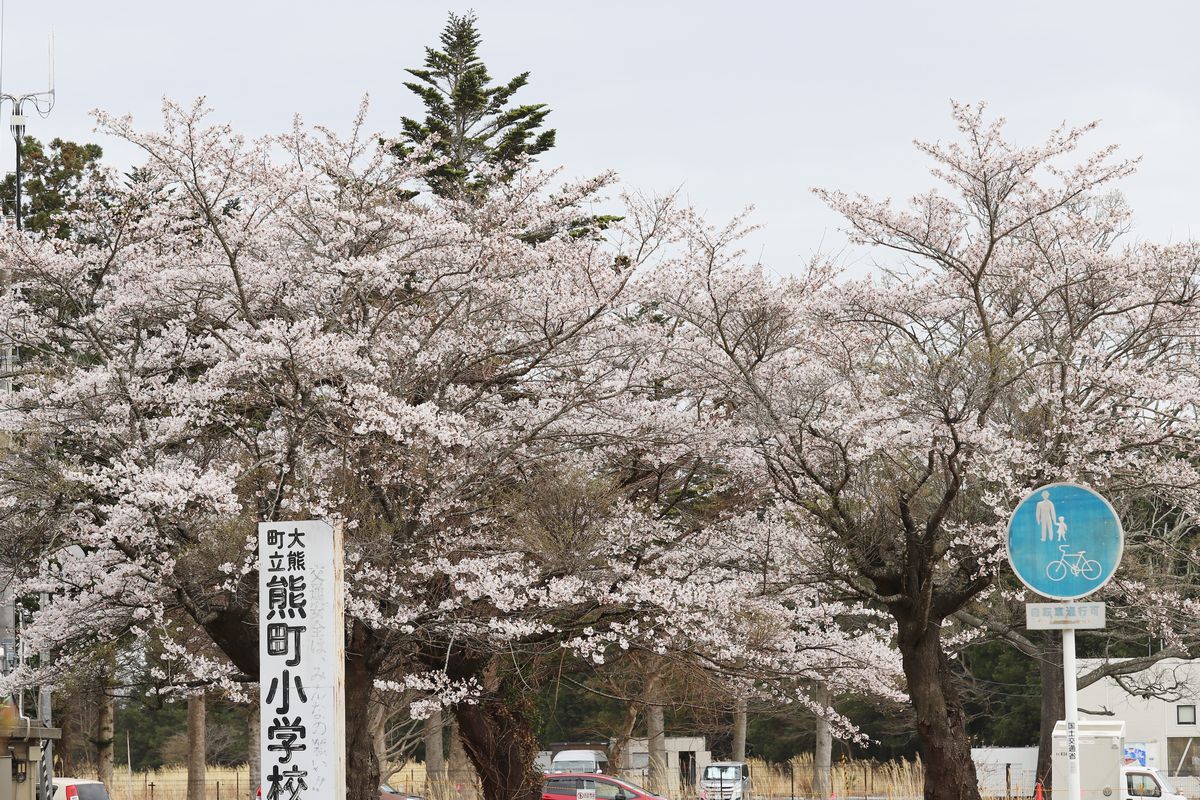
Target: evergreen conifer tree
[(470, 115), (50, 184)]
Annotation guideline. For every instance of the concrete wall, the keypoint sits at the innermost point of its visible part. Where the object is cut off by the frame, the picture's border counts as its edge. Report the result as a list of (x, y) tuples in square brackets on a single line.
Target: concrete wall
[(637, 751)]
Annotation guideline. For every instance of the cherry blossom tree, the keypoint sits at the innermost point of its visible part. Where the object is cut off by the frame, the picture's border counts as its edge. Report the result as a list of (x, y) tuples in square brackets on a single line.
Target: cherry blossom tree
[(277, 329), (1006, 342)]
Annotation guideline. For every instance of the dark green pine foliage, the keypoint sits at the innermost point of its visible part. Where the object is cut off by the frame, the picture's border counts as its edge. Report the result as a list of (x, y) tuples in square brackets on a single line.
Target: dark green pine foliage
[(50, 183), (470, 116)]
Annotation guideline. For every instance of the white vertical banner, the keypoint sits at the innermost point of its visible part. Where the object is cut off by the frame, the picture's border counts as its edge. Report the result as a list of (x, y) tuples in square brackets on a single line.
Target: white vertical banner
[(301, 648)]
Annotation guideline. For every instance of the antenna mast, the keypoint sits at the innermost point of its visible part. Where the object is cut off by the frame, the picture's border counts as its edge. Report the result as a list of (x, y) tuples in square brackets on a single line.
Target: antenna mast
[(42, 102)]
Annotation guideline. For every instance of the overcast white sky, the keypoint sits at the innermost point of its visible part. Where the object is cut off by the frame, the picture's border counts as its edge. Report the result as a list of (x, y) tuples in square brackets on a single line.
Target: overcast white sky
[(747, 102)]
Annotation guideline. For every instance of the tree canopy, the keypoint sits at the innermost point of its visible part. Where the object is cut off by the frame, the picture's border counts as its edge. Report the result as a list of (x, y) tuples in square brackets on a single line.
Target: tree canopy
[(283, 331)]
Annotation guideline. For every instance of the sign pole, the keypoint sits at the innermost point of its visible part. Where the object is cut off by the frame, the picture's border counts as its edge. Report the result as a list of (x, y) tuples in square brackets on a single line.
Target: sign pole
[(1064, 542), (1072, 703)]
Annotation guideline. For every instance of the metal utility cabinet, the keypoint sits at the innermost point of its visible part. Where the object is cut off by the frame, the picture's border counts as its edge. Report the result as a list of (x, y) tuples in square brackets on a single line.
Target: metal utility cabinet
[(21, 759), (1101, 756)]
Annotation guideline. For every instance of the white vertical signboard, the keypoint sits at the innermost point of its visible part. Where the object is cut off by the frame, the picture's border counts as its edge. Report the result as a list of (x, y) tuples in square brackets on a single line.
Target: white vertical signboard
[(301, 656)]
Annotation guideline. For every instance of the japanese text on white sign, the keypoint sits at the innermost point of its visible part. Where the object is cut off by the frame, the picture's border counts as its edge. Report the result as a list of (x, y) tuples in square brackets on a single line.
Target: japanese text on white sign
[(301, 652)]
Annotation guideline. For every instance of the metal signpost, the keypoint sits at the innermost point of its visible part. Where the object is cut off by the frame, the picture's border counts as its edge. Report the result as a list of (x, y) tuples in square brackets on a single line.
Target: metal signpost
[(301, 658), (1065, 542)]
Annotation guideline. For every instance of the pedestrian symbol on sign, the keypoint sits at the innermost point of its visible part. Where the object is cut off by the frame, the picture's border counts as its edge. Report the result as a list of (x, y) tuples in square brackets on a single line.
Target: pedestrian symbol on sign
[(1064, 541)]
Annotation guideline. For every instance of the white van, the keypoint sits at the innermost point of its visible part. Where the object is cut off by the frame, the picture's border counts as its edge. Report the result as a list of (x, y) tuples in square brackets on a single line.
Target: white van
[(79, 789), (1147, 782), (579, 761)]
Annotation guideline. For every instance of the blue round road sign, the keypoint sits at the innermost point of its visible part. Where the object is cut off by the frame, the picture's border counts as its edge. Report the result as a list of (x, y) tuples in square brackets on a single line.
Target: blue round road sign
[(1064, 541)]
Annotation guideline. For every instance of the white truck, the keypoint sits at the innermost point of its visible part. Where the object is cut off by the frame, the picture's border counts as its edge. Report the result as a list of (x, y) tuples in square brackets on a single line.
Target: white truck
[(579, 761), (1147, 782), (1103, 775), (726, 780)]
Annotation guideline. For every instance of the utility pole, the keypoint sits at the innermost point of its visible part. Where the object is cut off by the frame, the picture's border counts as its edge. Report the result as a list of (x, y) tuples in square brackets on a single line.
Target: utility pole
[(8, 625), (16, 123), (42, 102)]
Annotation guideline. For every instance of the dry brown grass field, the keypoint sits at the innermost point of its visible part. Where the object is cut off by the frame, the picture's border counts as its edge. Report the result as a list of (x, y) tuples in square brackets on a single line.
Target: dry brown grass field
[(895, 780), (170, 783)]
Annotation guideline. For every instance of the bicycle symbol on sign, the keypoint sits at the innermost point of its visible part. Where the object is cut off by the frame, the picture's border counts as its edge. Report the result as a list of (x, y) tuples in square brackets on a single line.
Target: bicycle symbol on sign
[(1075, 563)]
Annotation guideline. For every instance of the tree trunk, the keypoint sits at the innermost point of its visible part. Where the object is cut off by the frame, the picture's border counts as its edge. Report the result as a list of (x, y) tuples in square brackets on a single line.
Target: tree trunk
[(616, 752), (377, 729), (197, 757), (435, 757), (104, 737), (822, 747), (499, 740), (362, 767), (941, 722), (1053, 705), (461, 781), (656, 743), (71, 727), (739, 730), (254, 743)]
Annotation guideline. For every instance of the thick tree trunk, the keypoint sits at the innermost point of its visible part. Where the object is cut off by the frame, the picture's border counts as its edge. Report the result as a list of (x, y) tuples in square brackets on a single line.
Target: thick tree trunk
[(1053, 705), (253, 745), (461, 781), (499, 740), (71, 726), (104, 738), (656, 743), (822, 747), (941, 722), (197, 758), (739, 730), (362, 767), (435, 756)]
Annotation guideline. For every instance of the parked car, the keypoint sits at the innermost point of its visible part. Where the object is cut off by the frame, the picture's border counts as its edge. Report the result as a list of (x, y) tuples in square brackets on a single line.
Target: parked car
[(389, 792), (79, 789), (567, 786), (579, 761)]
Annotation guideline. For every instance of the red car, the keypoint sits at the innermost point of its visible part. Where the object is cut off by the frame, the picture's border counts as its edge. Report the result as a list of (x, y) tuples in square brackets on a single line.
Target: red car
[(566, 786)]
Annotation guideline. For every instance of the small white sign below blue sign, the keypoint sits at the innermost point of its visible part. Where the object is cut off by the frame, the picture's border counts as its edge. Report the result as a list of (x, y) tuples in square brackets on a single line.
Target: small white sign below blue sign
[(1081, 616), (1064, 541)]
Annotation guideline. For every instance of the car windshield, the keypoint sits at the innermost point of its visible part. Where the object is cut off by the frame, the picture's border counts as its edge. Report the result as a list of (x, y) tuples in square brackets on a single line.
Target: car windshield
[(574, 766), (723, 773), (1167, 786)]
